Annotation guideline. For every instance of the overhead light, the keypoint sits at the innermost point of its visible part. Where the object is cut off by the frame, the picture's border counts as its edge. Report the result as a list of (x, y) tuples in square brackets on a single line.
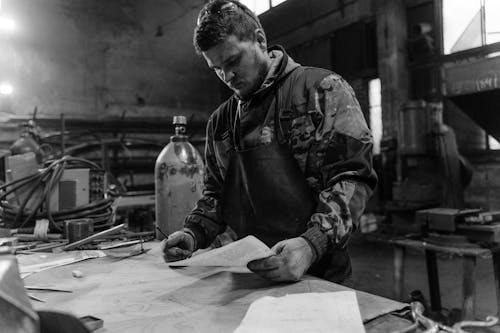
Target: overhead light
[(6, 89), (7, 24)]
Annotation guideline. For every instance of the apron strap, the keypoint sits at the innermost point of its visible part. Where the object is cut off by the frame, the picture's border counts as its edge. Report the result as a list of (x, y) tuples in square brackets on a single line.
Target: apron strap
[(281, 110)]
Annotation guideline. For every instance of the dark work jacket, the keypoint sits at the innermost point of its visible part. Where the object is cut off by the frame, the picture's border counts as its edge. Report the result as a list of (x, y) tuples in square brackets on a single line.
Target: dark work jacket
[(327, 134)]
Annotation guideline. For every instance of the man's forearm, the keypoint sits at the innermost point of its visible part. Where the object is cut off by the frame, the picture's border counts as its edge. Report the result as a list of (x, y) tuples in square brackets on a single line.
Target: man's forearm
[(339, 210), (204, 235)]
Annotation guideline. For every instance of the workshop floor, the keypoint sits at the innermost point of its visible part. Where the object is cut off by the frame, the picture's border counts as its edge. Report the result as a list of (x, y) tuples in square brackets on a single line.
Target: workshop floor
[(372, 268)]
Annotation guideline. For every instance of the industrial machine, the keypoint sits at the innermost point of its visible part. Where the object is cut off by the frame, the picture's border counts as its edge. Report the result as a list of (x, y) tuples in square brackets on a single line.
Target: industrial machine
[(474, 87), (78, 187), (68, 188), (430, 172), (459, 227)]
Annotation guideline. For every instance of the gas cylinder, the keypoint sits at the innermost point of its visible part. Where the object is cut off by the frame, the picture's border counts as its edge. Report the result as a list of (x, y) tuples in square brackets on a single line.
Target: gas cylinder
[(178, 180)]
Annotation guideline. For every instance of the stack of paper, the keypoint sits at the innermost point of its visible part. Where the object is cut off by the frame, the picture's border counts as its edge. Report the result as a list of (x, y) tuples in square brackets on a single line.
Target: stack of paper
[(336, 312)]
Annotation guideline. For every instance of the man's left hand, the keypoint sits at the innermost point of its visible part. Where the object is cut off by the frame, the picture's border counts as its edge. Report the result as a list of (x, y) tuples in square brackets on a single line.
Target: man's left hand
[(292, 259)]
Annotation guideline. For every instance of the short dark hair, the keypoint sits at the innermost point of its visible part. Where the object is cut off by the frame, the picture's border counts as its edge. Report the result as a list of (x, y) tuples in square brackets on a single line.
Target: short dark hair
[(219, 19)]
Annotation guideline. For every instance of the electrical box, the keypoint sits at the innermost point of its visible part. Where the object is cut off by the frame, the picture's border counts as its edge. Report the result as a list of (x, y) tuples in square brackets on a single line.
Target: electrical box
[(77, 187)]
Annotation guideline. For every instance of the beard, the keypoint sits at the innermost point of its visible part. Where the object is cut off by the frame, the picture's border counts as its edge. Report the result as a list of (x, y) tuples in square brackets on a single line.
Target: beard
[(246, 94)]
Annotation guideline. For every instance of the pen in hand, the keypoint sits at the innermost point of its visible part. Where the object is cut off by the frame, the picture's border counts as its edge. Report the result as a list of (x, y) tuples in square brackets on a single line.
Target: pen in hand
[(161, 231)]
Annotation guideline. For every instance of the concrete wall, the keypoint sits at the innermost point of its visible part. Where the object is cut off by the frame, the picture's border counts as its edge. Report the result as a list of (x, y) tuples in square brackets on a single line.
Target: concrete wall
[(98, 58), (392, 62)]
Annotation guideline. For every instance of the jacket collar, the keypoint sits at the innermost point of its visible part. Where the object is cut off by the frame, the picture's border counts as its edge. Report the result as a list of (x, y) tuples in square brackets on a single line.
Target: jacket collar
[(281, 65)]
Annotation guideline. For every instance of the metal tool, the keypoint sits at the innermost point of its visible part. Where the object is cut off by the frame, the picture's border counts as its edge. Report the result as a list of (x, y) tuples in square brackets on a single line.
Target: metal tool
[(38, 288), (31, 237), (161, 232), (93, 237), (78, 229), (489, 322), (131, 253), (117, 245), (431, 326), (36, 298), (457, 223), (43, 248)]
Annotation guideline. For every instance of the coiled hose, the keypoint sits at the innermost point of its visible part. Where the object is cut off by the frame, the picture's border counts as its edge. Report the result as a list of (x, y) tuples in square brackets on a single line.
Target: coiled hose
[(41, 185)]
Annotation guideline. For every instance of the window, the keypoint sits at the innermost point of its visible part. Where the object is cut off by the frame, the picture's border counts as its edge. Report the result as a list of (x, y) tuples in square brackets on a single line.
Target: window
[(261, 6), (492, 143), (469, 24), (274, 3), (257, 6), (492, 9), (375, 102), (5, 88), (7, 24)]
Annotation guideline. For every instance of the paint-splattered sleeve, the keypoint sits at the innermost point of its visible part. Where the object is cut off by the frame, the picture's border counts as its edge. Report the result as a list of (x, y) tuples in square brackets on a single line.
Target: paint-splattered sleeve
[(344, 175), (204, 221)]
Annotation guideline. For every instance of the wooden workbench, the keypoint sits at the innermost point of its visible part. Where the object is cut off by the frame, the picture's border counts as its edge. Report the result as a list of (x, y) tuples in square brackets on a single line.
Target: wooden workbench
[(141, 294)]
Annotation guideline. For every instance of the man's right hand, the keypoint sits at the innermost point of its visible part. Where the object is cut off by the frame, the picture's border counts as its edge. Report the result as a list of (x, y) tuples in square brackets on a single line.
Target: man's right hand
[(179, 245)]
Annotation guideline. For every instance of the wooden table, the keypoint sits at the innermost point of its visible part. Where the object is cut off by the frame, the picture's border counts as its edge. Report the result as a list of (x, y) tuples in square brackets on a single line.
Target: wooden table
[(468, 255), (141, 294)]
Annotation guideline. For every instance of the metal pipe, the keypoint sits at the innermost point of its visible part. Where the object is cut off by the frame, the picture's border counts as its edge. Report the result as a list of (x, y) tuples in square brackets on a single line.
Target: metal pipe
[(93, 237)]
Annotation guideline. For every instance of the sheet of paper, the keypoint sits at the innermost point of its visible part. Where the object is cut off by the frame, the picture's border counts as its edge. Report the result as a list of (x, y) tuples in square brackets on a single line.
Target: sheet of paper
[(237, 253), (336, 312), (373, 306)]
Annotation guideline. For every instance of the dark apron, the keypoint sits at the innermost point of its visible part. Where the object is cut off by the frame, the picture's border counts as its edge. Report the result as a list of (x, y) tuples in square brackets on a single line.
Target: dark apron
[(265, 194)]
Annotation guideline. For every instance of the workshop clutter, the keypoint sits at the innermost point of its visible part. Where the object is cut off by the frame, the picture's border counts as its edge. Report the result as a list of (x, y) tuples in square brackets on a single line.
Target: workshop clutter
[(30, 140), (17, 313), (65, 189), (369, 222)]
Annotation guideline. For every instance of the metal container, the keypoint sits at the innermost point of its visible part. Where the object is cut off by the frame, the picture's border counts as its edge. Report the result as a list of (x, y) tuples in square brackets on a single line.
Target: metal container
[(78, 229), (178, 180), (414, 127)]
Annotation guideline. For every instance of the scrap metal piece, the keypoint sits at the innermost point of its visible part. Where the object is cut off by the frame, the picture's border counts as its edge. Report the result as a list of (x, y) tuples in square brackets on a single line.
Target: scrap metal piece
[(93, 237), (40, 288), (33, 297), (489, 322), (16, 313), (431, 326)]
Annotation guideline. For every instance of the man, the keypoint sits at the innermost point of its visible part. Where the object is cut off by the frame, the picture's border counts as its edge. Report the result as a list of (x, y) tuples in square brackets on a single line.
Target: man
[(288, 156)]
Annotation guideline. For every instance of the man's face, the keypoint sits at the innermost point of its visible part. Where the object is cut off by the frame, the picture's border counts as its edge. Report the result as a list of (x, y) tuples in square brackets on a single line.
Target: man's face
[(242, 65)]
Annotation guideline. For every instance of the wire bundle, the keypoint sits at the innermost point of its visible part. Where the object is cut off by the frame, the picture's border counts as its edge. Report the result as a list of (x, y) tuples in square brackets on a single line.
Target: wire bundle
[(40, 187)]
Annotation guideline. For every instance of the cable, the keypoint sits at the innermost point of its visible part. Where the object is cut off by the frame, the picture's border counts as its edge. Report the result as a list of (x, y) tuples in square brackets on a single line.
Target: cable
[(39, 193)]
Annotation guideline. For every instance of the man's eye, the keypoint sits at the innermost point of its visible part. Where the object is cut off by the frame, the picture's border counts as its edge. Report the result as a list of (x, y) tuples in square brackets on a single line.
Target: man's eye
[(233, 62)]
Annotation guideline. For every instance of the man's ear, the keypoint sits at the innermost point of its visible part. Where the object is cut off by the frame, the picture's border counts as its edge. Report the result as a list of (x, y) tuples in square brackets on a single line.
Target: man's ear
[(261, 39)]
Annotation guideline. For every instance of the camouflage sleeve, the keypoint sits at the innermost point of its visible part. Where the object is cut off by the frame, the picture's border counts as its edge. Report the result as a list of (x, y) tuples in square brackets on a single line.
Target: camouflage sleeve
[(346, 175), (204, 221)]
